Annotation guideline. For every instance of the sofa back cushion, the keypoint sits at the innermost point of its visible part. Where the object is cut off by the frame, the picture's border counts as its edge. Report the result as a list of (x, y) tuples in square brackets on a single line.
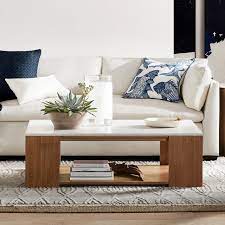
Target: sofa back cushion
[(16, 64), (123, 70), (196, 84), (70, 70)]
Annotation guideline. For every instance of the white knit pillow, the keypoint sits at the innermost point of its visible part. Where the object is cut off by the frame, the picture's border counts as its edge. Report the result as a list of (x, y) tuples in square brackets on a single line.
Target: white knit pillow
[(30, 89)]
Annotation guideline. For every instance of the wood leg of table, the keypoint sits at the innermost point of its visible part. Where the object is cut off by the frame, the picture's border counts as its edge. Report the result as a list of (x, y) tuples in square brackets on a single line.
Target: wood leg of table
[(42, 161), (164, 153), (185, 161)]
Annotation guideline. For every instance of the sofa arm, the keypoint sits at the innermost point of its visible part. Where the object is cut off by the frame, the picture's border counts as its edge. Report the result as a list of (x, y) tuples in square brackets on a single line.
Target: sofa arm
[(211, 120)]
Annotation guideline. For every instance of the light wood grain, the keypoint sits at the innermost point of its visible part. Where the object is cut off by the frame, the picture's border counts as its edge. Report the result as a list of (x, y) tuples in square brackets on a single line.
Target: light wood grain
[(185, 160), (164, 157), (183, 153), (183, 218), (153, 175), (42, 161)]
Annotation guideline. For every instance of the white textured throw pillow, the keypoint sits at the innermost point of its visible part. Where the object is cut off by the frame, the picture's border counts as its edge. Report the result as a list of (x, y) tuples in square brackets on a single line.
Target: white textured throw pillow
[(196, 84), (30, 89)]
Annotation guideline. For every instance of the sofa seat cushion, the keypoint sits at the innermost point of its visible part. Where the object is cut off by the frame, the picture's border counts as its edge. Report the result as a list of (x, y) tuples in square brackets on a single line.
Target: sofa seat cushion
[(12, 111), (142, 108), (122, 109)]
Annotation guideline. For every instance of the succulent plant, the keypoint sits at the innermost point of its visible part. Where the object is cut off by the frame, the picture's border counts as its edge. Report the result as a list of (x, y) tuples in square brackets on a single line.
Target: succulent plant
[(71, 103)]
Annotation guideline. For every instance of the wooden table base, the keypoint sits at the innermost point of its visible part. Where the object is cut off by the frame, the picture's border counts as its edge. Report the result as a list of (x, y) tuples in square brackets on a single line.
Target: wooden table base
[(183, 154), (185, 161), (42, 161)]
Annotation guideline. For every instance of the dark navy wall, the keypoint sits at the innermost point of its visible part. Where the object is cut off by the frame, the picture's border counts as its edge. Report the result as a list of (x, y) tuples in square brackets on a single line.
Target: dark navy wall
[(184, 26)]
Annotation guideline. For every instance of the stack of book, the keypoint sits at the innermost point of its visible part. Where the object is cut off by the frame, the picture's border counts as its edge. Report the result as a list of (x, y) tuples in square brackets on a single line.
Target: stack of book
[(91, 170)]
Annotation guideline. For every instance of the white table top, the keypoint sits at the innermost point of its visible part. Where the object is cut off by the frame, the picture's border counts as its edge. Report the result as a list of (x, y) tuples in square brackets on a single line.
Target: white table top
[(118, 128), (222, 85)]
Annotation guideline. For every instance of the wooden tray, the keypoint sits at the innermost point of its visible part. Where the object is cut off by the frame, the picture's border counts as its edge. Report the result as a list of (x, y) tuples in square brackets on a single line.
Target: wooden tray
[(153, 175)]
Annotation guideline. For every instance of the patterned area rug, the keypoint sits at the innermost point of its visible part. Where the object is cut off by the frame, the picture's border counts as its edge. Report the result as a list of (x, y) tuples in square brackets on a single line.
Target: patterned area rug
[(15, 197)]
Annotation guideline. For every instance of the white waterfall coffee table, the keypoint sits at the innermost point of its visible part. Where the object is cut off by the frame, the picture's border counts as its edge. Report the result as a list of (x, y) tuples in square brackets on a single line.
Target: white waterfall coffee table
[(180, 153)]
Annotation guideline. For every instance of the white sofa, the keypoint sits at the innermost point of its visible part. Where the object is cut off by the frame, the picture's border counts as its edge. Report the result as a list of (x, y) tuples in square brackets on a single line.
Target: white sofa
[(71, 70)]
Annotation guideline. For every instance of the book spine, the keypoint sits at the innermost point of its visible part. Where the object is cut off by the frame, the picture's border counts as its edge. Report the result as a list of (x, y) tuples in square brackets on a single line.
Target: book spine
[(91, 174), (85, 169), (91, 178), (91, 165), (91, 162)]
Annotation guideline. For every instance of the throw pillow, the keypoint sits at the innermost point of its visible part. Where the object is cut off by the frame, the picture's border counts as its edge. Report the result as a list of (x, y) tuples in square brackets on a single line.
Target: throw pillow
[(196, 84), (158, 80), (30, 89), (16, 64)]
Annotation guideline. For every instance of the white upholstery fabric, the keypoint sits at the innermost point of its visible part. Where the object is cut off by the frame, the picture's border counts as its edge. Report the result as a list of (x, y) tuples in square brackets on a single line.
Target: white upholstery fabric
[(196, 84), (124, 108), (12, 111), (211, 120), (70, 70), (38, 88), (122, 71), (17, 130), (12, 138)]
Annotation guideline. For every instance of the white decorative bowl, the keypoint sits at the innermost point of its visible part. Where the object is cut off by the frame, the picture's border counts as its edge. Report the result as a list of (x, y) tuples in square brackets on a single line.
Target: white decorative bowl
[(168, 122)]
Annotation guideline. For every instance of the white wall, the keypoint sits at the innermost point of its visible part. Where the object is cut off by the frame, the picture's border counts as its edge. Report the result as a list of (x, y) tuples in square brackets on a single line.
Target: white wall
[(88, 27)]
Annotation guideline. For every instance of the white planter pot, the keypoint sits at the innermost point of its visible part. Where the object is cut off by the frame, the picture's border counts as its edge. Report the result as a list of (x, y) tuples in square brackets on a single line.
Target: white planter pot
[(62, 121)]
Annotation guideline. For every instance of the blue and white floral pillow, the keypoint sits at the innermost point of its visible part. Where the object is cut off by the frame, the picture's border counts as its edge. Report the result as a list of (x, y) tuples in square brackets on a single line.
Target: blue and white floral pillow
[(158, 80)]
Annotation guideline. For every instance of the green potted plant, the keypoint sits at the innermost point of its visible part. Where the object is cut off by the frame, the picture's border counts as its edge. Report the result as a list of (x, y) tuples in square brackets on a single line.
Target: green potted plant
[(67, 112)]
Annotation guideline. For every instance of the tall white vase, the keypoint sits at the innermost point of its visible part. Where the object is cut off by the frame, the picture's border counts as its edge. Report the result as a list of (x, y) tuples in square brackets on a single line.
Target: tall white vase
[(102, 96)]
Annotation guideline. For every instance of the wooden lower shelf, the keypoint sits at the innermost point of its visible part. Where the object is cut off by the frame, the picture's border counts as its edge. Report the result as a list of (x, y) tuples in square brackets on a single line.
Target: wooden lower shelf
[(153, 175)]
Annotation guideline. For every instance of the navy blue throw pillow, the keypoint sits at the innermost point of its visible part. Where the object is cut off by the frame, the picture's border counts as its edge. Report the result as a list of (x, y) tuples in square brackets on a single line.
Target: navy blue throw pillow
[(16, 64)]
